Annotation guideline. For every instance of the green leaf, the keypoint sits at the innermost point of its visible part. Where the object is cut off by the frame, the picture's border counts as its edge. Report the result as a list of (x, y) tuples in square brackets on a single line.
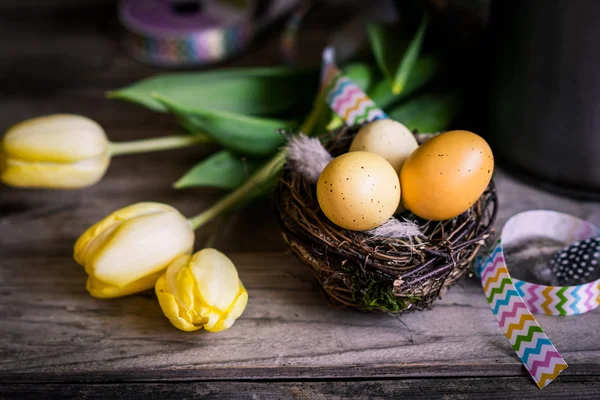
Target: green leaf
[(362, 74), (395, 55), (223, 170), (428, 113), (410, 58), (425, 69), (253, 91), (251, 136), (386, 48)]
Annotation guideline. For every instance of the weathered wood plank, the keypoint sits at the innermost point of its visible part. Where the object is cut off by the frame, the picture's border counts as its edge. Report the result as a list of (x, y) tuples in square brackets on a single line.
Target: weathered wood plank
[(466, 388), (53, 330)]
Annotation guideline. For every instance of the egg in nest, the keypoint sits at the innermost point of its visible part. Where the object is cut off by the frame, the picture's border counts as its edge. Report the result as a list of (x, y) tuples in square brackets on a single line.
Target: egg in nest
[(387, 138), (446, 175), (358, 190)]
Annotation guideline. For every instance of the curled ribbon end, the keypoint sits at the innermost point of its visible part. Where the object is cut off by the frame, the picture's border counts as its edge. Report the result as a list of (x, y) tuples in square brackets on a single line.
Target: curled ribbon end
[(546, 378), (328, 54), (514, 301)]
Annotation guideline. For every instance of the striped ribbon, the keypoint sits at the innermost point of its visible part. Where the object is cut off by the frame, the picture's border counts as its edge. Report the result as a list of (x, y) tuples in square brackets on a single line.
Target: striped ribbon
[(514, 301), (344, 97)]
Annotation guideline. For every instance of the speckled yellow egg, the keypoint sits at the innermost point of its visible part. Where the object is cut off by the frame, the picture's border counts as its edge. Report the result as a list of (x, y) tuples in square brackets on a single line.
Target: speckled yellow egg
[(446, 175), (358, 190), (387, 138)]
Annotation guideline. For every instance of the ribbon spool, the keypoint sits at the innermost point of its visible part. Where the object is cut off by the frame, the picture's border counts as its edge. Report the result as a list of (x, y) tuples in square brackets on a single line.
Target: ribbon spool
[(513, 301), (170, 33)]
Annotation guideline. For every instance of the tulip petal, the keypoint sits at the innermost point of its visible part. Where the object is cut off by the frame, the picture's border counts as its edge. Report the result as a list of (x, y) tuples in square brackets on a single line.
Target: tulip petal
[(61, 138), (101, 290), (180, 282), (216, 277), (171, 308), (127, 251), (213, 318), (195, 292), (84, 173), (239, 305), (83, 246), (233, 314), (142, 246)]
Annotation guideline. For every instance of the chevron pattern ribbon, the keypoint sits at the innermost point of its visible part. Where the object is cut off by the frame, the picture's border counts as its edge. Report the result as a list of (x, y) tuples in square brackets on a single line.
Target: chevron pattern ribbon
[(560, 300), (527, 338), (344, 97), (513, 301)]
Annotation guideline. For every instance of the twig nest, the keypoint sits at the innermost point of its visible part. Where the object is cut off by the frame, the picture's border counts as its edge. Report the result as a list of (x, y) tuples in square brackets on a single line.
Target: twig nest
[(379, 272)]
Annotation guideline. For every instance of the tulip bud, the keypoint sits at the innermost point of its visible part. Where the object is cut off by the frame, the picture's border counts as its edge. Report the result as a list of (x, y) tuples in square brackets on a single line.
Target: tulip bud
[(202, 291), (57, 151), (127, 251)]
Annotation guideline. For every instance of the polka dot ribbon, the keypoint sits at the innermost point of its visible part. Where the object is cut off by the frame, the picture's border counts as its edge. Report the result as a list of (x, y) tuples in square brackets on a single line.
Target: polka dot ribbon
[(514, 301), (578, 262)]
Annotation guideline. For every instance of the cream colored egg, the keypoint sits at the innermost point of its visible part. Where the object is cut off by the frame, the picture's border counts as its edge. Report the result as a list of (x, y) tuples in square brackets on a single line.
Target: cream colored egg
[(387, 138), (358, 190)]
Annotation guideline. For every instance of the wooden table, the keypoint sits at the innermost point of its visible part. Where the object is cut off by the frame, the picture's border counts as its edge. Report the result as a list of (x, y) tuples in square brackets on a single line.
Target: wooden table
[(57, 341)]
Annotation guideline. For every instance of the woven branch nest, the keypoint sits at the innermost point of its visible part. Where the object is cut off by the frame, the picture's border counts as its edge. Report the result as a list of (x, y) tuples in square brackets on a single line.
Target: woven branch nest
[(391, 275)]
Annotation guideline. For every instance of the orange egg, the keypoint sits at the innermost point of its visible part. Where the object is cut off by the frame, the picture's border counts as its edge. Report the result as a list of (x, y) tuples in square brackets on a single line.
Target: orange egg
[(446, 175)]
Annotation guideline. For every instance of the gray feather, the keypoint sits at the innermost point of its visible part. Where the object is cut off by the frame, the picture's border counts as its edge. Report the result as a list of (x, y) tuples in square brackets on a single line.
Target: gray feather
[(307, 157), (393, 228)]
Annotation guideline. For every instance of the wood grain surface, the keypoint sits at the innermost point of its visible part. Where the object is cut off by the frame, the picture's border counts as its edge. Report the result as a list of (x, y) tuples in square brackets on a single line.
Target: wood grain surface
[(55, 338), (464, 388), (52, 330)]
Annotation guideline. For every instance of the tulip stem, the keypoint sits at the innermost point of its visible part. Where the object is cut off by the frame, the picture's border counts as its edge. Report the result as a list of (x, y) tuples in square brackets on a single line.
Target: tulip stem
[(157, 144), (263, 178), (251, 187)]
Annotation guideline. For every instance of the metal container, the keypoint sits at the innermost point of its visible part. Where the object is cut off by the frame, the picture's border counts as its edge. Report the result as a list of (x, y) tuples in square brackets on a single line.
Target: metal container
[(543, 118)]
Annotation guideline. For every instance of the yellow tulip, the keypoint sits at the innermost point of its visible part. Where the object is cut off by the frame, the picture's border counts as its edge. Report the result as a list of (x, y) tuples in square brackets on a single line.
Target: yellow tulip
[(127, 251), (57, 151), (202, 291)]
